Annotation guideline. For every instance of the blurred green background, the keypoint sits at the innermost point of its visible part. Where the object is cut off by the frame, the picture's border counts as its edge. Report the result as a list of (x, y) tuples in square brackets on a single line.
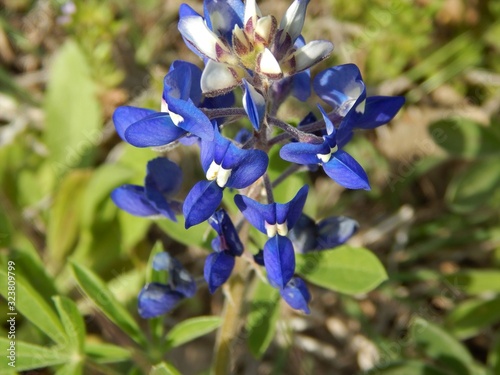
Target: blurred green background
[(432, 216)]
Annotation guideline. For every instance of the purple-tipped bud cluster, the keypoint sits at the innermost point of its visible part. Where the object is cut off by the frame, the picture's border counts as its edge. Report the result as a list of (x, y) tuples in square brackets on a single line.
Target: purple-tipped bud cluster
[(268, 60)]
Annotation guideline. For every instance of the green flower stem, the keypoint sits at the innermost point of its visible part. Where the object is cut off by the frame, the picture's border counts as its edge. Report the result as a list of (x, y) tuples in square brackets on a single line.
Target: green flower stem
[(231, 317)]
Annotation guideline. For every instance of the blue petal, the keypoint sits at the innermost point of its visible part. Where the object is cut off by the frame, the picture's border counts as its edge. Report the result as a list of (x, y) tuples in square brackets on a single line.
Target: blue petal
[(343, 169), (222, 16), (132, 198), (256, 213), (163, 262), (156, 129), (218, 268), (254, 104), (157, 299), (250, 168), (228, 236), (181, 280), (192, 119), (163, 176), (335, 231), (303, 153), (339, 86), (183, 77), (242, 136), (291, 211), (201, 202), (220, 101), (301, 85), (379, 110), (304, 234), (259, 258), (330, 129), (125, 116), (279, 259), (296, 294)]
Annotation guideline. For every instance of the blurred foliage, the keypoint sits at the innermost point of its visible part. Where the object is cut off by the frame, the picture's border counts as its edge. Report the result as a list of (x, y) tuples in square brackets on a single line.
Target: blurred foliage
[(63, 71)]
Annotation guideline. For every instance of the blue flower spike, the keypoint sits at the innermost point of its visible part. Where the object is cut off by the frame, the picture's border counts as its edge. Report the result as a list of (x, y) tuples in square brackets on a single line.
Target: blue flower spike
[(156, 299), (163, 180), (337, 164)]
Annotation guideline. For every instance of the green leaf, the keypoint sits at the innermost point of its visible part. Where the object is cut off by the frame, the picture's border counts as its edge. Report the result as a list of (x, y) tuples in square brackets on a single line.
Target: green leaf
[(29, 356), (194, 236), (72, 322), (442, 347), (73, 116), (72, 368), (470, 317), (410, 368), (64, 218), (494, 356), (164, 369), (99, 293), (33, 307), (262, 317), (476, 281), (477, 186), (107, 353), (191, 329), (465, 138), (346, 269)]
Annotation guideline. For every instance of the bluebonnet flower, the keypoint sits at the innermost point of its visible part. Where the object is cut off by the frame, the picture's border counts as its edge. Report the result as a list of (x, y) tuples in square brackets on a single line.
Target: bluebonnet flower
[(342, 87), (307, 235), (338, 164), (225, 165), (227, 245), (235, 40), (156, 298), (163, 180), (275, 220)]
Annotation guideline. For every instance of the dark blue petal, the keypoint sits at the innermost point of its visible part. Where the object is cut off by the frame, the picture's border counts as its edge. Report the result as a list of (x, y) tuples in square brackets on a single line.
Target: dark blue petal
[(296, 294), (156, 129), (163, 262), (191, 119), (251, 167), (279, 259), (201, 202), (304, 234), (344, 135), (182, 282), (256, 213), (379, 110), (254, 104), (157, 299), (242, 136), (259, 258), (339, 86), (303, 153), (125, 116), (220, 101), (291, 211), (343, 169), (163, 176), (183, 81), (218, 268), (335, 231), (228, 236), (207, 151), (132, 198), (308, 119), (301, 85), (222, 16)]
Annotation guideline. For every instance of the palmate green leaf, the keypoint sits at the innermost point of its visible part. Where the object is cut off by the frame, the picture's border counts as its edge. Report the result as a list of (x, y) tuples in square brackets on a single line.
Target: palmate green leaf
[(72, 322), (475, 281), (34, 308), (30, 356), (465, 138), (442, 347), (476, 187), (471, 316), (191, 329), (262, 316), (64, 217), (106, 353), (346, 269), (164, 369), (99, 293), (410, 368), (73, 115)]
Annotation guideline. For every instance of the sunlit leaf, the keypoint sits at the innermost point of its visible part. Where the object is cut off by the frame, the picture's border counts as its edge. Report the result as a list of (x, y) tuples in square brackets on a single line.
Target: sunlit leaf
[(107, 353), (164, 369), (191, 329), (345, 269), (72, 321), (476, 281)]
